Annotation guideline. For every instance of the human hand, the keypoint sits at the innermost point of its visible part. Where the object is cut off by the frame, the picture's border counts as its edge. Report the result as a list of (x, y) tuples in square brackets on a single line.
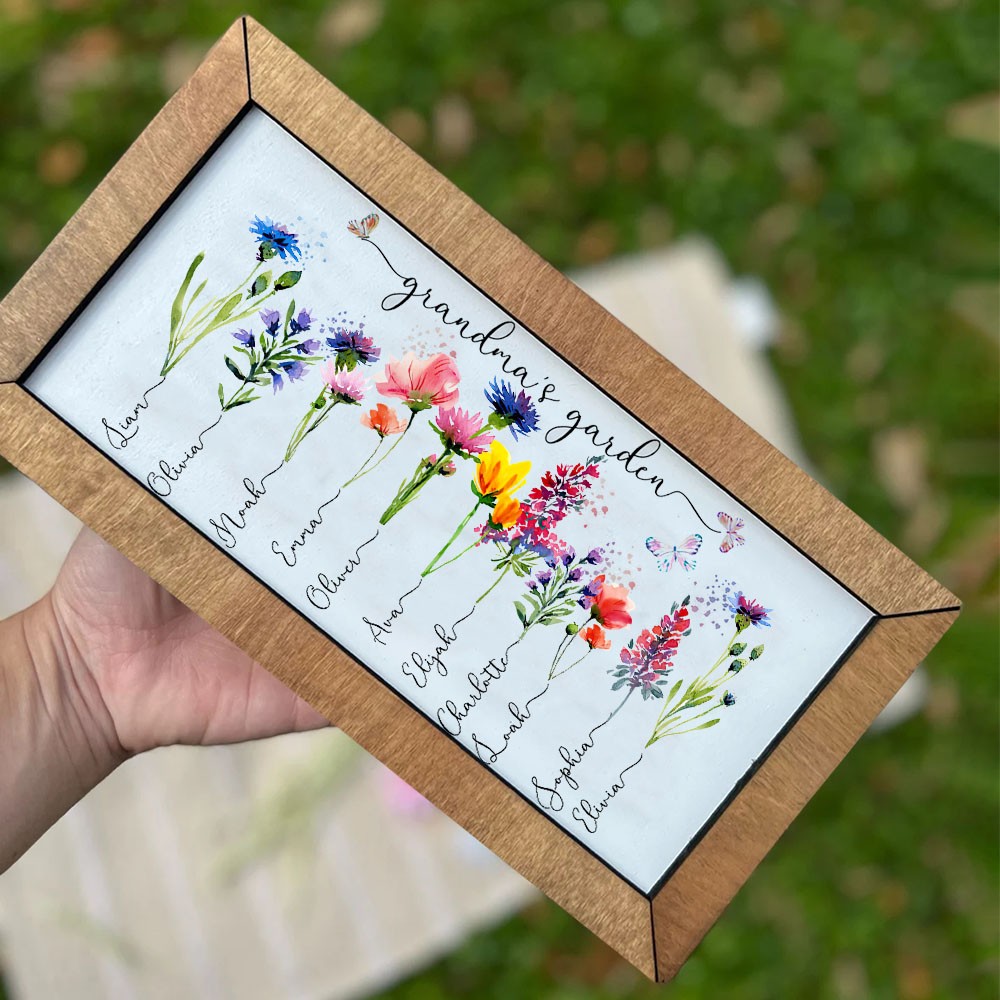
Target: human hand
[(107, 665), (164, 675)]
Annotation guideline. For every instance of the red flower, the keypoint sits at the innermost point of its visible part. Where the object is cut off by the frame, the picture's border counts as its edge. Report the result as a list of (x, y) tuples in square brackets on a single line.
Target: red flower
[(611, 604)]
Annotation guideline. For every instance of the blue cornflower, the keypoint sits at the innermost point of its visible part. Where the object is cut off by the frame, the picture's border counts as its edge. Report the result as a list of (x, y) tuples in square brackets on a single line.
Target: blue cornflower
[(276, 382), (352, 348), (245, 337), (728, 699), (510, 409), (271, 320), (293, 369), (274, 240), (308, 346), (301, 323)]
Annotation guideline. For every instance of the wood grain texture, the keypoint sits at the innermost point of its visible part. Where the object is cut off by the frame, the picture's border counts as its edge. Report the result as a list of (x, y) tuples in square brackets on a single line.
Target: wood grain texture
[(631, 371), (207, 580), (217, 588), (697, 893), (122, 204)]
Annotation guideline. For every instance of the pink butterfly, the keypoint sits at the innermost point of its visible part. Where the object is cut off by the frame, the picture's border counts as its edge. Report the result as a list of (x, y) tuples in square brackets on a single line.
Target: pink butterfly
[(669, 556), (732, 527), (364, 227)]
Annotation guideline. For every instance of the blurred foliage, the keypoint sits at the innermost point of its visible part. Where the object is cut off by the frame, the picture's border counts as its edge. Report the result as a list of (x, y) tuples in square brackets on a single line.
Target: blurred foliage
[(844, 152)]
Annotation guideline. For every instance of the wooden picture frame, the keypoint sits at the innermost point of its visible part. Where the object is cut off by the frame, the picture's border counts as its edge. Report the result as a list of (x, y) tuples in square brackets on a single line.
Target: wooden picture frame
[(655, 930)]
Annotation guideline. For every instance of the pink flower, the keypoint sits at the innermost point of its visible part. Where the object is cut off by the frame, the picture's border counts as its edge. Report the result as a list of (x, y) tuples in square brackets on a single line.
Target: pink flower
[(345, 386), (460, 430), (421, 384)]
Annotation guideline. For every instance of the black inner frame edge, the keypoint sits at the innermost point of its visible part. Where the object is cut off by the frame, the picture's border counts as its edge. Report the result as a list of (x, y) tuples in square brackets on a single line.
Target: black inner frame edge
[(755, 765)]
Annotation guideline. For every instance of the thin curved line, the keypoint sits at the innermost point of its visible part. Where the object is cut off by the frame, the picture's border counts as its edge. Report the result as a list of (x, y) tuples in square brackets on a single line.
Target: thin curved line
[(673, 493), (402, 277)]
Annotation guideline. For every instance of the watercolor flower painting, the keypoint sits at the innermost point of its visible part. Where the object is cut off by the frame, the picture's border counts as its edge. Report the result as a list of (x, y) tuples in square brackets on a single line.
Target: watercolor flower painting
[(609, 608), (340, 386), (698, 704), (462, 435), (278, 351), (511, 409), (532, 537), (494, 484), (418, 384), (192, 318)]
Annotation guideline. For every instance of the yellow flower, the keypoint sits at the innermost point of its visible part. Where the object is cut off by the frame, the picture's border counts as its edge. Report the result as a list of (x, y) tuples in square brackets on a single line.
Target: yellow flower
[(496, 474), (506, 512)]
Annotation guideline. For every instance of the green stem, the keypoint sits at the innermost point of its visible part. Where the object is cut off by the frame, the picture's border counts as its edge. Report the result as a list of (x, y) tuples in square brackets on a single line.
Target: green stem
[(361, 472), (566, 670), (409, 491), (494, 584), (564, 644), (229, 402), (172, 363), (667, 731), (447, 545), (455, 558), (304, 427)]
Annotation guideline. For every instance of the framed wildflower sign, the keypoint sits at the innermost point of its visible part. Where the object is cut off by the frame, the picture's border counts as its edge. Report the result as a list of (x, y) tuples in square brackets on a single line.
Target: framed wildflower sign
[(343, 414)]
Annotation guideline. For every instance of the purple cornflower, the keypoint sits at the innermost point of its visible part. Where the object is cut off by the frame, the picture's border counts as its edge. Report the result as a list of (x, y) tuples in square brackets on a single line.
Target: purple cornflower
[(245, 337), (352, 348), (276, 382), (594, 556), (747, 612), (510, 409), (308, 346)]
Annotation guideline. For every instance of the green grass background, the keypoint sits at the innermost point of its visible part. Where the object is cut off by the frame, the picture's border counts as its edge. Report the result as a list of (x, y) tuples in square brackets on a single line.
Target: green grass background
[(845, 153)]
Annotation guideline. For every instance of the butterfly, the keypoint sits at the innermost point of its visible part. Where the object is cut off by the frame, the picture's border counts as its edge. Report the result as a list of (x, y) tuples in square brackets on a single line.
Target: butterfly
[(732, 527), (364, 227), (683, 554)]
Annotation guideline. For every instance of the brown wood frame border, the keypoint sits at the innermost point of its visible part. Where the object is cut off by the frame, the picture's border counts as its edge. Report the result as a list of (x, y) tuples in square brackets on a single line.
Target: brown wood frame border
[(247, 67)]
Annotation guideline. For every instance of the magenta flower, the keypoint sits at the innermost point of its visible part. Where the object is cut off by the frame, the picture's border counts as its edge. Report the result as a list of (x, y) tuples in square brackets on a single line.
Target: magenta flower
[(463, 431)]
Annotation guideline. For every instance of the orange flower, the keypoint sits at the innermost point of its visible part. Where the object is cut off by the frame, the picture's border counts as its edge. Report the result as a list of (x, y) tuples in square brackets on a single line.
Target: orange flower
[(383, 421), (594, 636), (611, 605), (496, 474), (506, 512)]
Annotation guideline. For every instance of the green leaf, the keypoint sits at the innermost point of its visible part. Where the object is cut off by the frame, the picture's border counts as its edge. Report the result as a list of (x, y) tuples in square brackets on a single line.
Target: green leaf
[(222, 395), (231, 365), (259, 285), (287, 280), (177, 309), (674, 690), (707, 725), (288, 315), (227, 308), (521, 614)]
